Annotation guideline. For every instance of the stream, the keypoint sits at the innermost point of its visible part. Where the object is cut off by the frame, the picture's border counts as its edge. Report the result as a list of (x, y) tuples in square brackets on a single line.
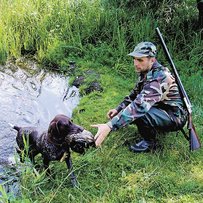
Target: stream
[(29, 96)]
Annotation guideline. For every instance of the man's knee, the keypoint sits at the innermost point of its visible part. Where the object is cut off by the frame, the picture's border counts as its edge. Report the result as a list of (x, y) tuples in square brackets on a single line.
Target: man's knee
[(156, 118)]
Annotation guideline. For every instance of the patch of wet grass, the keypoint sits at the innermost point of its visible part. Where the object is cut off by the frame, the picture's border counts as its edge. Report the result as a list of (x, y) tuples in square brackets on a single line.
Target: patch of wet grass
[(99, 39)]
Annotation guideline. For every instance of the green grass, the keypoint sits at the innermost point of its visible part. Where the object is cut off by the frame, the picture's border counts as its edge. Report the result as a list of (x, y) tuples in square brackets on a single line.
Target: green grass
[(112, 173), (98, 35)]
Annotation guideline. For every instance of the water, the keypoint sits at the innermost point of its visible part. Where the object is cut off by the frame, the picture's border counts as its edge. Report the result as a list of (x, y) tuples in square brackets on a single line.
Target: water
[(30, 96)]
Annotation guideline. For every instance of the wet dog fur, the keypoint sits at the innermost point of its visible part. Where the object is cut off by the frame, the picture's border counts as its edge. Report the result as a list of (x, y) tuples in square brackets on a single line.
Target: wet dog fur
[(55, 143)]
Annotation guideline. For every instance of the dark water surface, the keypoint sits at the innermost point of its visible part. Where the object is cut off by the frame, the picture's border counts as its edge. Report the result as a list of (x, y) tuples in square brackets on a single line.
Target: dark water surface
[(30, 97)]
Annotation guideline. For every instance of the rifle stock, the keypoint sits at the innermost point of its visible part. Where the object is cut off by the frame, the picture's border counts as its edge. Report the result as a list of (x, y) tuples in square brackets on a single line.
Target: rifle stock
[(193, 137), (194, 142)]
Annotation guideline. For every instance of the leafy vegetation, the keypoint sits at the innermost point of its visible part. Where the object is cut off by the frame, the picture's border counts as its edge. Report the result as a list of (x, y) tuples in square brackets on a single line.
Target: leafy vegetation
[(98, 35)]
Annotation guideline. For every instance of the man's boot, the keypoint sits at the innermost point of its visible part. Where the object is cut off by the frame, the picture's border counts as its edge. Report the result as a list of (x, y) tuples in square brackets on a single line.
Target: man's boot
[(143, 146), (148, 143)]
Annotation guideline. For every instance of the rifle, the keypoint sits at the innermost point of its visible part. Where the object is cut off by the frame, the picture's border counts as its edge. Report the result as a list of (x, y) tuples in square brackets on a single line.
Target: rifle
[(194, 142)]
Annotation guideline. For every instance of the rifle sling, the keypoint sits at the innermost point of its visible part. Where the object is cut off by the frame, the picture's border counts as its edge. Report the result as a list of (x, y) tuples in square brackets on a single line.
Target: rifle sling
[(185, 135)]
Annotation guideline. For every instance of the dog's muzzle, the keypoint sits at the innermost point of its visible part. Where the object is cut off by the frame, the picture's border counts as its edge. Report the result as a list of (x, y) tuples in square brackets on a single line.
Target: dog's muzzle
[(80, 141)]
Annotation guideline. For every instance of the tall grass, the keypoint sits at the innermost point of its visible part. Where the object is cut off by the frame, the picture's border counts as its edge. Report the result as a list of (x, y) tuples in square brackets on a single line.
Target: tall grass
[(39, 26), (3, 195), (55, 30), (99, 34), (35, 25)]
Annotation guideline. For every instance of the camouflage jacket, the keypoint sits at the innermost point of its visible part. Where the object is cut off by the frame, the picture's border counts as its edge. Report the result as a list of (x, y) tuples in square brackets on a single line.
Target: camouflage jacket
[(156, 88)]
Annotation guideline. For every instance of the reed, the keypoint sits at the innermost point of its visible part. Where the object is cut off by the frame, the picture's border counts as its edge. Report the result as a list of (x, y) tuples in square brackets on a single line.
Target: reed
[(99, 34), (41, 27), (3, 194), (34, 25)]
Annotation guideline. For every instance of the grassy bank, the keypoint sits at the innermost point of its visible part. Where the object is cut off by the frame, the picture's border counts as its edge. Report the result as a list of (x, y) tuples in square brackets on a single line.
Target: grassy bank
[(113, 173), (98, 35)]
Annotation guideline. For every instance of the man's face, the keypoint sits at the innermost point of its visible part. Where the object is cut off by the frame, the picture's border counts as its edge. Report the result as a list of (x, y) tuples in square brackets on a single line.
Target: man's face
[(143, 64)]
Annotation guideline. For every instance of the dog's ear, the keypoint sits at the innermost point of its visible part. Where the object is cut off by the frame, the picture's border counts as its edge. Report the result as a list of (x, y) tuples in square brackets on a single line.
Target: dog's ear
[(54, 133), (63, 127), (52, 128)]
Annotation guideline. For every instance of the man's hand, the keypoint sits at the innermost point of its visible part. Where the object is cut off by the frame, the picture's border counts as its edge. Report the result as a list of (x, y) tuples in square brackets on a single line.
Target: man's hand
[(111, 113), (103, 131)]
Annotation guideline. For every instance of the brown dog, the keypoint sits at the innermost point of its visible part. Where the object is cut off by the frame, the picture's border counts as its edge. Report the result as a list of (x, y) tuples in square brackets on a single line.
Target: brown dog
[(54, 144)]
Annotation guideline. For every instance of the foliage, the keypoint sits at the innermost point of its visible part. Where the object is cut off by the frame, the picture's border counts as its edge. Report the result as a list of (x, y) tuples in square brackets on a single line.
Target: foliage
[(58, 31), (98, 35), (113, 173)]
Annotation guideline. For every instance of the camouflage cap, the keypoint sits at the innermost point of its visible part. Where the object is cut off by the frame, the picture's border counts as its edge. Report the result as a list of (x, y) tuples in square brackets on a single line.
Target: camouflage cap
[(144, 49)]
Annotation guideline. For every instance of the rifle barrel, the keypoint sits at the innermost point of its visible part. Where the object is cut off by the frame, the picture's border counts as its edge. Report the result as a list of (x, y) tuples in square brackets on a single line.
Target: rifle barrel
[(193, 137), (180, 85)]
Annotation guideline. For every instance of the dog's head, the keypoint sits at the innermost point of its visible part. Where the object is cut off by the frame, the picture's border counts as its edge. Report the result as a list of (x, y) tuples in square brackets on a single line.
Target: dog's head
[(60, 127), (78, 142)]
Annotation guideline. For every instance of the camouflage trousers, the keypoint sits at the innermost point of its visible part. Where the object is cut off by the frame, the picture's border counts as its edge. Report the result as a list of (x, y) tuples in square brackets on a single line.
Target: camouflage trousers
[(158, 120)]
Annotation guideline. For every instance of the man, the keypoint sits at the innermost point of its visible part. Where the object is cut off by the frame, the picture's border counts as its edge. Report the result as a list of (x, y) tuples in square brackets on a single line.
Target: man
[(154, 105)]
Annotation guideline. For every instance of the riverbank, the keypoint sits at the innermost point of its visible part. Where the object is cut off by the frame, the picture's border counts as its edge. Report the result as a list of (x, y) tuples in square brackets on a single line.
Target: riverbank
[(98, 38), (112, 173)]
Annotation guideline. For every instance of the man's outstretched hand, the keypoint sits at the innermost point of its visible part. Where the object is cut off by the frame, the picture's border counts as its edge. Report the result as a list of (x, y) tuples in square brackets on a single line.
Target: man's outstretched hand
[(111, 113), (103, 131)]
